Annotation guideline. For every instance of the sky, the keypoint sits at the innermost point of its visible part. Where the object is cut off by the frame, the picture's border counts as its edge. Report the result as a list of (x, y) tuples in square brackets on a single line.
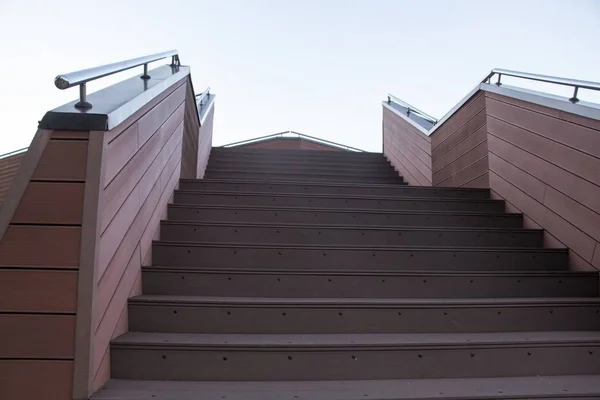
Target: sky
[(319, 67)]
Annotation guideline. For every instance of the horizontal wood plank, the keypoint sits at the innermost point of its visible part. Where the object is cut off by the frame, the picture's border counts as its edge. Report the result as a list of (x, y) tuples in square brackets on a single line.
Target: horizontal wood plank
[(518, 177), (36, 379), (41, 246), (62, 160), (37, 336), (51, 203), (38, 291)]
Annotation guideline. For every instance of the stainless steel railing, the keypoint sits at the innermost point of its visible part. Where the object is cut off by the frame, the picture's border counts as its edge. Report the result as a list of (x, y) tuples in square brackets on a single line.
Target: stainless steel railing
[(80, 78), (574, 83), (413, 109)]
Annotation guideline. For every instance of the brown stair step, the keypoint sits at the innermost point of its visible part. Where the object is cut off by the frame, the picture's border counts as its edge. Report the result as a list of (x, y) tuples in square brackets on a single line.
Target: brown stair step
[(250, 315), (180, 356), (323, 216), (177, 280), (335, 201), (300, 154), (330, 188), (304, 177), (347, 234), (325, 164), (307, 169), (405, 258), (566, 387)]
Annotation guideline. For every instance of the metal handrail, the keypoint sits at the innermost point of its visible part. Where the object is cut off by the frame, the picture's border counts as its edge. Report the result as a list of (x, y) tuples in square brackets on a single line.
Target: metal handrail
[(575, 83), (13, 153), (200, 99), (410, 108), (80, 78), (281, 134)]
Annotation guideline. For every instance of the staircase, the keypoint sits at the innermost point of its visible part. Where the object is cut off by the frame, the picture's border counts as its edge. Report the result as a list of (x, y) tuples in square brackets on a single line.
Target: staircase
[(289, 274)]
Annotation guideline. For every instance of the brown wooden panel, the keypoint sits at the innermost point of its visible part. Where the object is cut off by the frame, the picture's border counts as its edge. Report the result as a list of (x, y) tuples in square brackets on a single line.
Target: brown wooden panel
[(579, 120), (465, 145), (306, 145), (72, 135), (424, 167), (37, 336), (63, 160), (41, 246), (191, 133), (529, 141), (103, 372), (517, 177), (569, 234), (523, 104), (402, 140), (466, 175), (576, 187), (120, 151), (576, 136), (582, 217), (52, 379), (461, 163), (51, 203), (482, 181), (469, 127), (596, 257), (38, 291), (151, 122), (522, 201), (577, 162), (115, 308), (468, 111), (394, 124), (401, 162)]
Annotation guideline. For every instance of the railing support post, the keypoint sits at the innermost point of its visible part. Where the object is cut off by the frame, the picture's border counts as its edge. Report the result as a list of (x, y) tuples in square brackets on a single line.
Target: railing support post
[(145, 75), (574, 99), (498, 82), (83, 104)]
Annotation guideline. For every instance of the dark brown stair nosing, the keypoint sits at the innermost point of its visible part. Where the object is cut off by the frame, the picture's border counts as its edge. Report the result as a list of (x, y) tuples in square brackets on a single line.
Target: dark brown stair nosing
[(418, 303), (338, 196), (567, 387), (363, 248), (357, 342), (337, 184), (351, 227), (374, 272)]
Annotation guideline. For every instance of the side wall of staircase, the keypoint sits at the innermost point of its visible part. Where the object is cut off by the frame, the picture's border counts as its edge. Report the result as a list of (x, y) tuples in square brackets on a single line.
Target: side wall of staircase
[(542, 160), (76, 226)]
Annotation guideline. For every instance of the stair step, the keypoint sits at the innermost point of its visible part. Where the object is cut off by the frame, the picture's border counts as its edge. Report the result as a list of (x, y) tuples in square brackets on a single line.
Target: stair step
[(180, 356), (302, 154), (324, 216), (335, 201), (304, 177), (252, 315), (361, 235), (177, 280), (331, 188), (382, 164), (356, 257), (566, 387), (307, 169)]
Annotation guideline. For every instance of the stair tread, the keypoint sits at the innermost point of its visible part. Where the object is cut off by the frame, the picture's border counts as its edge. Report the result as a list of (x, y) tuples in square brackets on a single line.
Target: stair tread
[(346, 340), (404, 302), (360, 247), (458, 389), (336, 184), (336, 196), (350, 227), (374, 272), (345, 210)]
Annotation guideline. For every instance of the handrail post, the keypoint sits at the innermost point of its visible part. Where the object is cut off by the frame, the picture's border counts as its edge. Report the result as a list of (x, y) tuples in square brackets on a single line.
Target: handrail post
[(145, 75), (83, 104), (498, 82), (574, 99)]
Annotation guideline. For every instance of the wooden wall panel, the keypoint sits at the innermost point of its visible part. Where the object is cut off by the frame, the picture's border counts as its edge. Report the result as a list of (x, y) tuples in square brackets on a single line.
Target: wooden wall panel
[(36, 379), (284, 143), (38, 291), (39, 255), (205, 142), (407, 149), (37, 336), (459, 147), (546, 163), (51, 203), (8, 168)]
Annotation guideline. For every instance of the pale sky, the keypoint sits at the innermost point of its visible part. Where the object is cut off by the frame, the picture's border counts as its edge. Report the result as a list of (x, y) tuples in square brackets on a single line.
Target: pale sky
[(320, 67)]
